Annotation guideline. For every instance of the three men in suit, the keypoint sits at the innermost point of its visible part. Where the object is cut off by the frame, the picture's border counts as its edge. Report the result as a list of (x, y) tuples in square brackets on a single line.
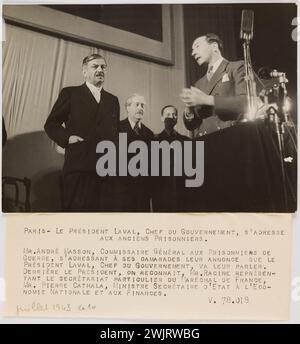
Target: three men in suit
[(168, 191), (219, 97), (135, 196), (84, 115), (80, 118)]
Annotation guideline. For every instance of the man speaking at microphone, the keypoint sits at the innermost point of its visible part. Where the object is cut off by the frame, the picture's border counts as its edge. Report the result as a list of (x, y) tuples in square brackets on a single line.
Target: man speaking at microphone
[(220, 96)]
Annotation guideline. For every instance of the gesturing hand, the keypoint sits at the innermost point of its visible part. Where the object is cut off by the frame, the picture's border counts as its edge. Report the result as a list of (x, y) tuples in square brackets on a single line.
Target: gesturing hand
[(193, 96)]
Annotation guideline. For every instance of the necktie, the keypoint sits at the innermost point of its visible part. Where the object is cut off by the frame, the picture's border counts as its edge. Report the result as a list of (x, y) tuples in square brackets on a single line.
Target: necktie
[(137, 129), (209, 73), (98, 95)]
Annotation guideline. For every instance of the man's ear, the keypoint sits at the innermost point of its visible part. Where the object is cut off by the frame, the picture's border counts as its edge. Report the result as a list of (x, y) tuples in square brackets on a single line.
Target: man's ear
[(162, 118), (215, 46)]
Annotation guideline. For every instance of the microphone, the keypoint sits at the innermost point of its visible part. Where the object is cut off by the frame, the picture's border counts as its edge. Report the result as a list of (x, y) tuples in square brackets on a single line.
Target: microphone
[(246, 32), (264, 73), (267, 73), (276, 74)]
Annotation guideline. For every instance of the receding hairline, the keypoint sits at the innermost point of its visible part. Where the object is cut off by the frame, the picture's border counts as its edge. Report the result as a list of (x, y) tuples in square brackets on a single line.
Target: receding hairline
[(91, 58), (198, 38), (211, 38), (131, 97)]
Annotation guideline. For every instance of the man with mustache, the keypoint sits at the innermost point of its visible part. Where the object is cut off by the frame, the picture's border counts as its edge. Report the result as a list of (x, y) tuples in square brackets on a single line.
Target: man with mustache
[(219, 97), (80, 118), (136, 190), (168, 194)]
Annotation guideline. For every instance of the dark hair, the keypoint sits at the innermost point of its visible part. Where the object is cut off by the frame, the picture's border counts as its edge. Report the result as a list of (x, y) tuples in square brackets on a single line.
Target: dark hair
[(213, 38), (163, 109), (91, 57)]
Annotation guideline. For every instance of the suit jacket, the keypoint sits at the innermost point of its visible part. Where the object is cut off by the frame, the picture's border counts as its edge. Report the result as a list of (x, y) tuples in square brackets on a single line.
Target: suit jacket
[(146, 134), (135, 192), (167, 195), (77, 108), (175, 136), (164, 136), (228, 87)]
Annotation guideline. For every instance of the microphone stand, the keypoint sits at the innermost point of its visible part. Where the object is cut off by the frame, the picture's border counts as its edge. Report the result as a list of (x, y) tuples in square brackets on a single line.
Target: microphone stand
[(280, 115), (249, 77)]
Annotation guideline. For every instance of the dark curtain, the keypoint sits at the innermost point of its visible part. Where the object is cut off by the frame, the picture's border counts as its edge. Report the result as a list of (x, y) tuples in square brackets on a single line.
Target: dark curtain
[(202, 19)]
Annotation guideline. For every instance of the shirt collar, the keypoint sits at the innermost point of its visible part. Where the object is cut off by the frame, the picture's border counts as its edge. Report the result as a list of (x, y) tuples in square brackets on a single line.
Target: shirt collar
[(132, 123), (216, 64), (93, 88)]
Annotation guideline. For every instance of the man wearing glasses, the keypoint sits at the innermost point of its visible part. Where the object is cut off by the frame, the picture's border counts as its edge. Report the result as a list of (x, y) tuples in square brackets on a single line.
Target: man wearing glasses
[(81, 117)]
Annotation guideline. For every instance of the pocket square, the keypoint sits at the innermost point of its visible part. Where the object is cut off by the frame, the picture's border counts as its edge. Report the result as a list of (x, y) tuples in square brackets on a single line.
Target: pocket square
[(225, 77)]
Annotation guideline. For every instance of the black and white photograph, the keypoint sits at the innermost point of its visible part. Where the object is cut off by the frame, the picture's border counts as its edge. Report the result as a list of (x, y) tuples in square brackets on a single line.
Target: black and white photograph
[(149, 108)]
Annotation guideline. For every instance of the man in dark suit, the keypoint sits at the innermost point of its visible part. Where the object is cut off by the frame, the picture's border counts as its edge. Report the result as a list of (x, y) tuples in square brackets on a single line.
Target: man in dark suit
[(168, 191), (80, 118), (219, 97), (169, 116), (136, 190)]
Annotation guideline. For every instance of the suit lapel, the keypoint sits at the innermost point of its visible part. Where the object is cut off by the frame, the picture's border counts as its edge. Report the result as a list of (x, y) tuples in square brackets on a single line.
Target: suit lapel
[(204, 84), (143, 131), (131, 134), (97, 110), (128, 126), (103, 106), (89, 99), (217, 76)]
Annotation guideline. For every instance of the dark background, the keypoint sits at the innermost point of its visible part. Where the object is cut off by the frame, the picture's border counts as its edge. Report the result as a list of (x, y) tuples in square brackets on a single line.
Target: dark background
[(144, 20)]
